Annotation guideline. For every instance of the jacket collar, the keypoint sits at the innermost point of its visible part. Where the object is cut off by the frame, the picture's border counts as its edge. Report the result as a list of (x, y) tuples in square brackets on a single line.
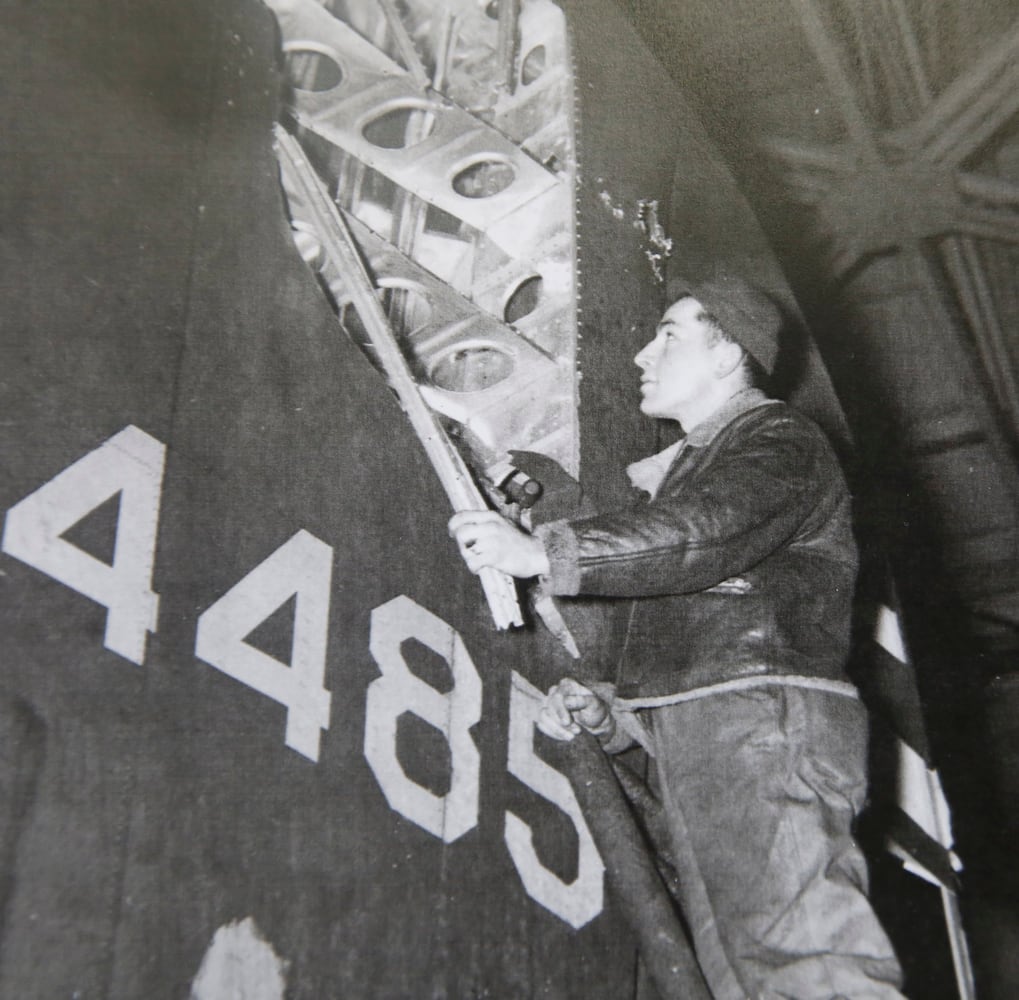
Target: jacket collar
[(707, 430), (648, 473)]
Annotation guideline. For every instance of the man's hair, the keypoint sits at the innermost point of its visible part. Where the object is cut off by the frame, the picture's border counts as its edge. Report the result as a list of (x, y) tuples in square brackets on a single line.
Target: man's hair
[(754, 375)]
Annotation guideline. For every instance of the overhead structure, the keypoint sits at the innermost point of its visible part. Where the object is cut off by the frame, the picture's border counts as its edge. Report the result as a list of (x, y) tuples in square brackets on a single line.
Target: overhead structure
[(913, 199)]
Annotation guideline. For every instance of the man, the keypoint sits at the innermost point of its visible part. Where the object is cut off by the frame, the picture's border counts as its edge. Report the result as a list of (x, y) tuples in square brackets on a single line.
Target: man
[(742, 563)]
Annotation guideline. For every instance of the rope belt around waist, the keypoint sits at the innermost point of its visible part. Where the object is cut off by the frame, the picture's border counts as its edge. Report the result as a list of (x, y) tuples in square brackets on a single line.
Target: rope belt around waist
[(623, 709), (843, 688)]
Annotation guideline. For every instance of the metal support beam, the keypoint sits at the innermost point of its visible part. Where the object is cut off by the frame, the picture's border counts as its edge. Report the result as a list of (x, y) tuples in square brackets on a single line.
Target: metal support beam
[(966, 272), (405, 44), (973, 107), (828, 58), (509, 33)]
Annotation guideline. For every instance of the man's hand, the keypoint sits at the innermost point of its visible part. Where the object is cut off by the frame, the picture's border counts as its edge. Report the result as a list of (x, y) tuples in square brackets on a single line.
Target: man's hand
[(488, 539), (570, 707)]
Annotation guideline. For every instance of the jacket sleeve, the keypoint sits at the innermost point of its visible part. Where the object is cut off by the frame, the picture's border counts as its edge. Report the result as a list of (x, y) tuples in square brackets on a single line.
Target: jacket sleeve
[(748, 499)]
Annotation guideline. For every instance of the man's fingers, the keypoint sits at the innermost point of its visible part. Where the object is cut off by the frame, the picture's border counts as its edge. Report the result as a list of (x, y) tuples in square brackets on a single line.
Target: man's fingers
[(550, 725), (556, 732), (467, 536), (578, 702), (473, 548), (498, 543), (570, 686), (468, 542), (473, 537), (570, 707), (475, 561), (585, 708), (554, 705), (573, 695), (471, 518), (562, 713)]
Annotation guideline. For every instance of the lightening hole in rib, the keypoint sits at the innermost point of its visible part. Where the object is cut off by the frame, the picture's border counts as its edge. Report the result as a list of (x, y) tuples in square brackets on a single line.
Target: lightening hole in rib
[(533, 65), (312, 69), (405, 303), (438, 221), (483, 179), (400, 128), (472, 368), (524, 300)]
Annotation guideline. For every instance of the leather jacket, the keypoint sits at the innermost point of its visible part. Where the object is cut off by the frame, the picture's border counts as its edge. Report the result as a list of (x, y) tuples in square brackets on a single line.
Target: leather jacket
[(743, 560)]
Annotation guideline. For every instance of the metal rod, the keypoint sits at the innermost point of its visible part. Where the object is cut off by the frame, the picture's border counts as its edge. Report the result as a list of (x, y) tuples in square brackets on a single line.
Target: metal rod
[(960, 279), (642, 894), (818, 157), (444, 50), (509, 17), (911, 46), (967, 87), (949, 120), (991, 329), (961, 962), (988, 112), (996, 190), (890, 46), (408, 50), (842, 87), (989, 225), (867, 79), (409, 210), (955, 267)]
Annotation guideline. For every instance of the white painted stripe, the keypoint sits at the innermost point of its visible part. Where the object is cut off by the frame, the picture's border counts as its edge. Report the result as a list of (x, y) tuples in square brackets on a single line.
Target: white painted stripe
[(888, 634), (921, 797), (910, 863)]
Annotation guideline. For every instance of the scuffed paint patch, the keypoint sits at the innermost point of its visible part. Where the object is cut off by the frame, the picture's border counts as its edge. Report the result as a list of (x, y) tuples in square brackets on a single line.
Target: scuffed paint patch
[(660, 249), (606, 199), (240, 965)]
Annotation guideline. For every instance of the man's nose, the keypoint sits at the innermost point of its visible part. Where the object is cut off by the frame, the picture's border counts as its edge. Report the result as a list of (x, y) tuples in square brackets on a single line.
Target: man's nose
[(645, 356)]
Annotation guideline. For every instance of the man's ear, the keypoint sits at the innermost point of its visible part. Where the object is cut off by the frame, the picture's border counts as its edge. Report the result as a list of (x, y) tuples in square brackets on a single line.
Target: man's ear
[(728, 357)]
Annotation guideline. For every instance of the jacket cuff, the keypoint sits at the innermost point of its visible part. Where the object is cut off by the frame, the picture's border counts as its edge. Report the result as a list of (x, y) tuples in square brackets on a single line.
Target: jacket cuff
[(563, 557), (618, 741)]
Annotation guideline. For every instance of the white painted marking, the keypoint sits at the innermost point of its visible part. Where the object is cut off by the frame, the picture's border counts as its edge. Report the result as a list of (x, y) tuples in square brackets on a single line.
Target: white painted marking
[(453, 713), (888, 634), (301, 566), (577, 902), (240, 965), (129, 463)]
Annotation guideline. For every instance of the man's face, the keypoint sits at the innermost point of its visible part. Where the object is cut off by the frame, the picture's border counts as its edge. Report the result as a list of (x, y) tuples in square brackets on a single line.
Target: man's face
[(680, 364)]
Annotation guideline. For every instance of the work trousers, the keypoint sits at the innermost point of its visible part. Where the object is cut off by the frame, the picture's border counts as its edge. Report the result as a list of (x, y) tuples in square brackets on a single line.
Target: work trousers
[(761, 788)]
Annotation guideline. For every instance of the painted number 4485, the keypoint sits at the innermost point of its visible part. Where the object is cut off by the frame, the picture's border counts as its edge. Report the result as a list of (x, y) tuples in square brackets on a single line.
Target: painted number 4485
[(131, 464)]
